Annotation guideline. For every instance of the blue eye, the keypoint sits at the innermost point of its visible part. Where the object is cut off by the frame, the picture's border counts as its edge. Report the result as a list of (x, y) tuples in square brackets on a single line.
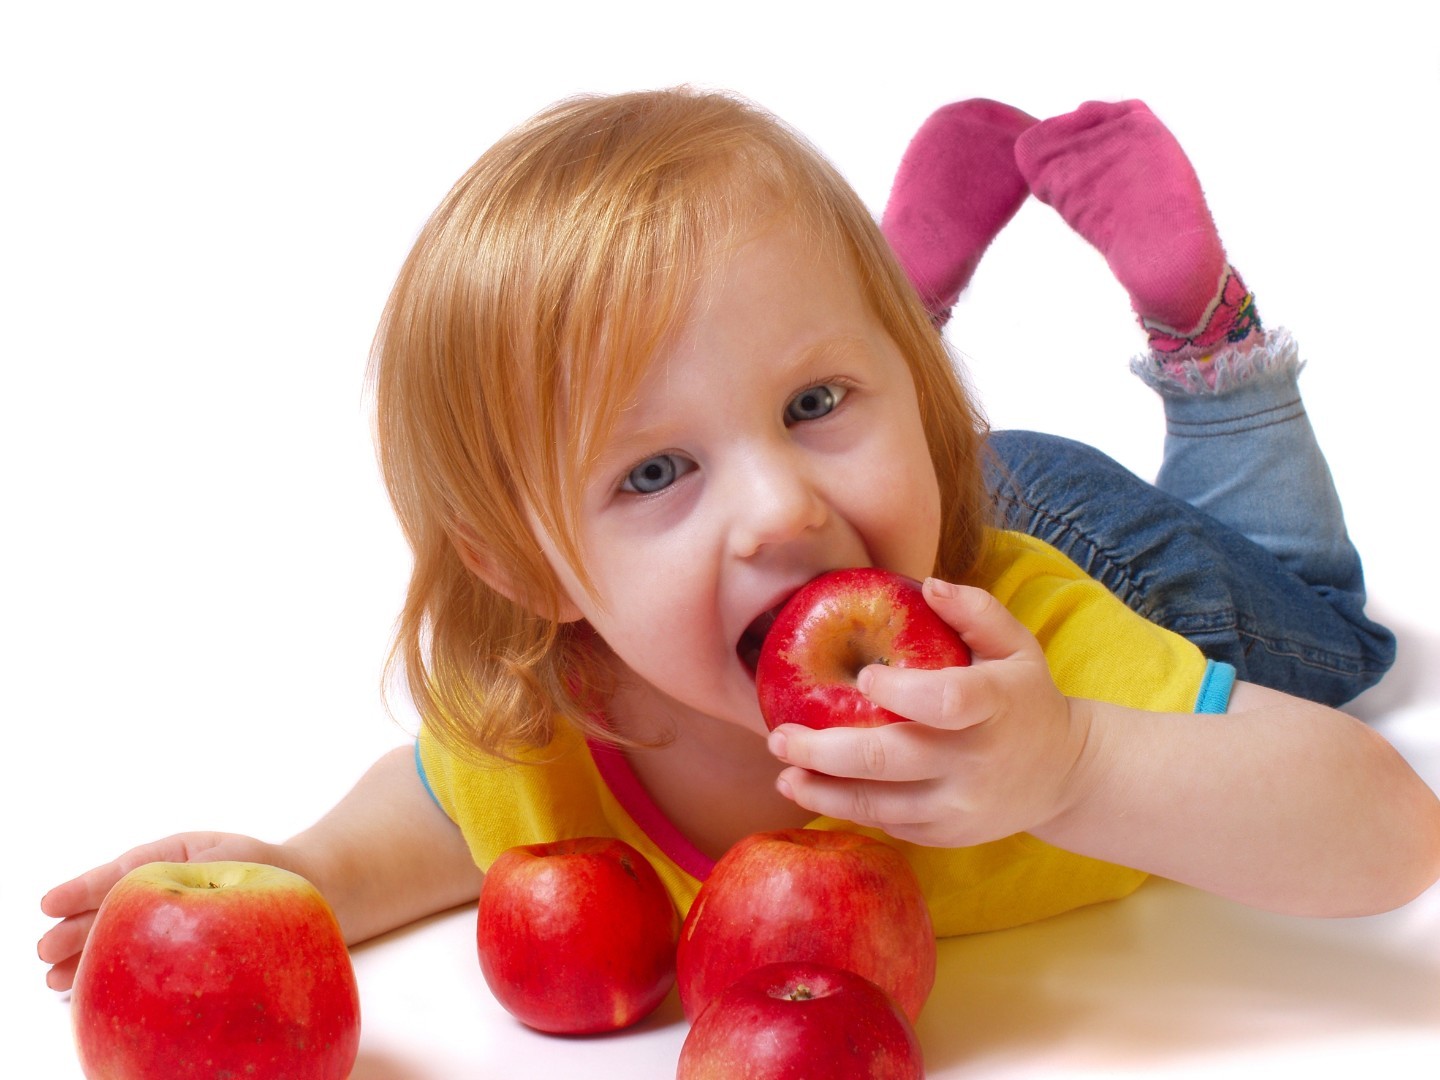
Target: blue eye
[(656, 474), (813, 403)]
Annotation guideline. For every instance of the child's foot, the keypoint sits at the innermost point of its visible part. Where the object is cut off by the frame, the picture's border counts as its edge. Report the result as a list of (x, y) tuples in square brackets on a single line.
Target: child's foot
[(956, 187), (1120, 179)]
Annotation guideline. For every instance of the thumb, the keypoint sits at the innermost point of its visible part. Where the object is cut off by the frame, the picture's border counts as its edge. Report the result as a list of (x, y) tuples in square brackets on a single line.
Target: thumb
[(982, 622)]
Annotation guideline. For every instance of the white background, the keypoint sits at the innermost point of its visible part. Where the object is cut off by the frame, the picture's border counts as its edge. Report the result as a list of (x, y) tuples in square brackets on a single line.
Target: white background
[(203, 208)]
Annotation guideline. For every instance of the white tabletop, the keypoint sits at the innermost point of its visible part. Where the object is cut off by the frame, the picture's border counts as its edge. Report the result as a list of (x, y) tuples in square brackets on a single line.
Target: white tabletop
[(1168, 983), (204, 208)]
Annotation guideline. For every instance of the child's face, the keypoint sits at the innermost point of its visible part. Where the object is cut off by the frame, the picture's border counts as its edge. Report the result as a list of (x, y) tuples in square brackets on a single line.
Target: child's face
[(780, 438)]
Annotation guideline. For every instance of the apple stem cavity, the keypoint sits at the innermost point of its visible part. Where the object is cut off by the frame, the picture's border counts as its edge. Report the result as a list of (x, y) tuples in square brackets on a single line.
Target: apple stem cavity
[(824, 637)]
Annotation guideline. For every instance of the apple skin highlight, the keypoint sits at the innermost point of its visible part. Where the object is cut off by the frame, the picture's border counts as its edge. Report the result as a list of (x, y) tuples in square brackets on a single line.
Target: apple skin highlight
[(215, 969), (836, 625)]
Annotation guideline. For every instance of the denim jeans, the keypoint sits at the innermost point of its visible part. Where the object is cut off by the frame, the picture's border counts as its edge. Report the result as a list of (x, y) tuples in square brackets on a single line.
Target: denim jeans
[(1239, 545)]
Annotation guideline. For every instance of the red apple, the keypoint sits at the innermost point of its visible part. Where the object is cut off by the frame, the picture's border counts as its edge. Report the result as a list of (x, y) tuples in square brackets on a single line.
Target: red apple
[(577, 936), (795, 1021), (215, 969), (832, 628), (836, 898)]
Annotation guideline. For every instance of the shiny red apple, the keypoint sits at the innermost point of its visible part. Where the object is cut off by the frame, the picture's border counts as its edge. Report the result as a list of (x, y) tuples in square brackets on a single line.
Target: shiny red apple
[(836, 898), (215, 969), (576, 936), (839, 623), (796, 1021)]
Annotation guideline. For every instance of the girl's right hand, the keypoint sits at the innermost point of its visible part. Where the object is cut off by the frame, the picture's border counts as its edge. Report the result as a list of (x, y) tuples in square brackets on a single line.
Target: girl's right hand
[(76, 901), (383, 857)]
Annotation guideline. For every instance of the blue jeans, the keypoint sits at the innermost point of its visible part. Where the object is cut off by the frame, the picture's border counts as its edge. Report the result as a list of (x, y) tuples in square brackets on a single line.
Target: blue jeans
[(1239, 545)]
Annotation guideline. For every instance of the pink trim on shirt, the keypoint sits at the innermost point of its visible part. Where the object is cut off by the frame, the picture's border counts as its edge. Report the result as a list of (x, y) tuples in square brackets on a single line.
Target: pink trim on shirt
[(620, 778)]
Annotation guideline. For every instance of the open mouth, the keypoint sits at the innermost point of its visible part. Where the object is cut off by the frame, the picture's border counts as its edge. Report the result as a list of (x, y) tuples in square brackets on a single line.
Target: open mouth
[(748, 648)]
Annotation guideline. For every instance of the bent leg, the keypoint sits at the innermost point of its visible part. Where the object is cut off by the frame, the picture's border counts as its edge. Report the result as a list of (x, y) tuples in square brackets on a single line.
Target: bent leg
[(1244, 452), (1241, 544), (1183, 569)]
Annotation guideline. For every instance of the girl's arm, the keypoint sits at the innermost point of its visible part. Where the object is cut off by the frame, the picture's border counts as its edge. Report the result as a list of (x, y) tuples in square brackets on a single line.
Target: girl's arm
[(1280, 803), (385, 856)]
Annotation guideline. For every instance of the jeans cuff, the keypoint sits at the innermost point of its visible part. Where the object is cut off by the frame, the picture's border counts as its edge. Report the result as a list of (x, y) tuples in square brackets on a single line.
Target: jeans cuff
[(1275, 357)]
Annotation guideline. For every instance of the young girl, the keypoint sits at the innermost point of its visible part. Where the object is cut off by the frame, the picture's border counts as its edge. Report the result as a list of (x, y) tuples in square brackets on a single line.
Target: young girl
[(649, 368)]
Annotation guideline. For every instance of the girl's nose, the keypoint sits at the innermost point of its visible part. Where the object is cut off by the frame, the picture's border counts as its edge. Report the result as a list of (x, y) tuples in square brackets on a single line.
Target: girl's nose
[(775, 502)]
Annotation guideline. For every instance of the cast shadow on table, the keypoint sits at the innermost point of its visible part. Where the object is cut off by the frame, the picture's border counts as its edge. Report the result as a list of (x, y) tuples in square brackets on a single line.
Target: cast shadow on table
[(1414, 679), (399, 1064), (414, 1037), (379, 1065), (1173, 973)]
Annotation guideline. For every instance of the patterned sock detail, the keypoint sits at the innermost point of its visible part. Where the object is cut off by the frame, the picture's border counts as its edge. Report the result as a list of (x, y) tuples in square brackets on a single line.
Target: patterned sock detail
[(1117, 176), (1229, 319)]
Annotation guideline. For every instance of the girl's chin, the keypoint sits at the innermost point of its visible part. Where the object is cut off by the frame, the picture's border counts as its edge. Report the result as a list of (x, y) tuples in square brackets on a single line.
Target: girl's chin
[(747, 720), (738, 709)]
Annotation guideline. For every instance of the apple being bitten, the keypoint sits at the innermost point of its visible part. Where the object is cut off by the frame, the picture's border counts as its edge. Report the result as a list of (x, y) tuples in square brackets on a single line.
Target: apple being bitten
[(215, 969), (576, 936), (836, 898), (795, 1021), (839, 623)]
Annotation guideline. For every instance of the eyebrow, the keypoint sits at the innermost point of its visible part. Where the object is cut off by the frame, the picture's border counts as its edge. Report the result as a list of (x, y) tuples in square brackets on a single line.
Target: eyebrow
[(839, 345)]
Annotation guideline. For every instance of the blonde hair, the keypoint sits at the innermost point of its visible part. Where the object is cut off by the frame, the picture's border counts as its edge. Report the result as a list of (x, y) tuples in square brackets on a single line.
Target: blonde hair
[(523, 319)]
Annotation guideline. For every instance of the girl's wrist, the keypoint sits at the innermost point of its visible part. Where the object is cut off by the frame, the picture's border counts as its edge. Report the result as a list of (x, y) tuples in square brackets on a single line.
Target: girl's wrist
[(1084, 773), (301, 856)]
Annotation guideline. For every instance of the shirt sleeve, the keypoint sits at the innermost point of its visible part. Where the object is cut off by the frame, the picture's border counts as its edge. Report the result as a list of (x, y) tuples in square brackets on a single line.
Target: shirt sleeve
[(1214, 696), (420, 768)]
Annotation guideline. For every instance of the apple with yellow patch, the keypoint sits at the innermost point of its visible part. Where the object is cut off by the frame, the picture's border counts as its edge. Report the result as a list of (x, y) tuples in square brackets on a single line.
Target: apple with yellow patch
[(215, 969)]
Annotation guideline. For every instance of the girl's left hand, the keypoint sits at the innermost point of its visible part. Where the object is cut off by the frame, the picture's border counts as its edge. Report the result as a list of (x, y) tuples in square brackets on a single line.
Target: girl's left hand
[(994, 748)]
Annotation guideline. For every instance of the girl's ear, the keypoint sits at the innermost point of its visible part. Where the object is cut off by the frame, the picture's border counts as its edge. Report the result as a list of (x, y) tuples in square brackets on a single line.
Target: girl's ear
[(495, 574)]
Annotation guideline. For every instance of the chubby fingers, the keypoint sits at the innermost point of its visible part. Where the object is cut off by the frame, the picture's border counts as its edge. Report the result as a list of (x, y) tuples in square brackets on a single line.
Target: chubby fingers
[(890, 807), (879, 776), (894, 752), (84, 893), (900, 778), (76, 901), (61, 977), (986, 626), (901, 791), (957, 698), (61, 946)]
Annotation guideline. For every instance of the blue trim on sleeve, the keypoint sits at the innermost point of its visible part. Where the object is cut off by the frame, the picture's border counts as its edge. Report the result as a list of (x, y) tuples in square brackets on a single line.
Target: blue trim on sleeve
[(1215, 687), (420, 769)]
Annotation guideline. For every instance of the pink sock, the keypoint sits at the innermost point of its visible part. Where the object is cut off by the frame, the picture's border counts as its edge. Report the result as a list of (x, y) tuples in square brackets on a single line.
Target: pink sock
[(956, 187), (1117, 175)]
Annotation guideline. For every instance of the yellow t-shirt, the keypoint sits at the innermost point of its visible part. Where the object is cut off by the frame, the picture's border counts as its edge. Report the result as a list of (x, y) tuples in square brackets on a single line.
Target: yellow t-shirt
[(1096, 648)]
